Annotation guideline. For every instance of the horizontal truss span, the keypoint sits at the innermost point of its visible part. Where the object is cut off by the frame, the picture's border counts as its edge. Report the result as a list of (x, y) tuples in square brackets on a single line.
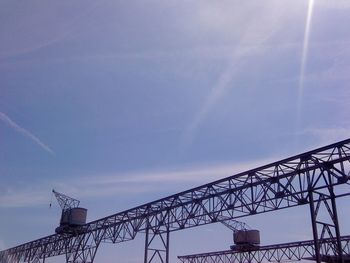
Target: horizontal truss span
[(273, 253), (286, 183)]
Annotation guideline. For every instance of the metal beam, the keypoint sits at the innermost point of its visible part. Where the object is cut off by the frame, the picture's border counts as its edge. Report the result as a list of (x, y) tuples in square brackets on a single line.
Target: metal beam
[(293, 251), (283, 184), (157, 245)]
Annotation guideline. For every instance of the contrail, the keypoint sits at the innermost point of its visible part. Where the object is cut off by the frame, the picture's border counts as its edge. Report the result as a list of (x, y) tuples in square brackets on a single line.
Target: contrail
[(24, 132), (222, 84)]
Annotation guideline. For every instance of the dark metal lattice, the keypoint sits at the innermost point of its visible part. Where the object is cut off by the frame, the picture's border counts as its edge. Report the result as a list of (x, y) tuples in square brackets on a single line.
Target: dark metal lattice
[(293, 251), (307, 178), (65, 201)]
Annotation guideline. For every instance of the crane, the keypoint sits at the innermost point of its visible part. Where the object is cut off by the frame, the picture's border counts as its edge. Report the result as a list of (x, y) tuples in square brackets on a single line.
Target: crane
[(244, 237), (73, 217), (315, 178)]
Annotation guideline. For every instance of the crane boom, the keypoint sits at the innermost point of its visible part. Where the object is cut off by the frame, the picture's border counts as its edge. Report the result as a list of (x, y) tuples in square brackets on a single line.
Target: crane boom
[(65, 201), (234, 225)]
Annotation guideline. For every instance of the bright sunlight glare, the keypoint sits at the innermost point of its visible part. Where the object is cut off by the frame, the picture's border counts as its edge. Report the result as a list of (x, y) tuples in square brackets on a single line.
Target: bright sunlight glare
[(303, 64)]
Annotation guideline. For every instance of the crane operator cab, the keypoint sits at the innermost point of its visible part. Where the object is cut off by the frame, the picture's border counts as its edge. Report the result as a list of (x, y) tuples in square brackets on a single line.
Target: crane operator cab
[(245, 240)]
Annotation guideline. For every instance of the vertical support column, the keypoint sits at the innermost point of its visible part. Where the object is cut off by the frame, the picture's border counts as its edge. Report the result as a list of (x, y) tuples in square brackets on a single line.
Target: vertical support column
[(157, 245), (167, 245), (325, 225), (146, 244), (314, 227), (336, 225)]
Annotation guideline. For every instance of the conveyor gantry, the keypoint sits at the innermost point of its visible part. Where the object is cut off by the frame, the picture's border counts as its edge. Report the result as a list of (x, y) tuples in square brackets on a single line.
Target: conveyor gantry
[(312, 178)]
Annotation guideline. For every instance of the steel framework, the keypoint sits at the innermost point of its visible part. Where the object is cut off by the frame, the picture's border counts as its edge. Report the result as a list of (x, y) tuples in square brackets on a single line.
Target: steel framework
[(315, 178), (293, 251), (65, 201)]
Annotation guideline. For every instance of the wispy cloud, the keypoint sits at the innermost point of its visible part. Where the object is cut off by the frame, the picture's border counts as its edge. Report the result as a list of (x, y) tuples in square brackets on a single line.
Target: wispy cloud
[(2, 245), (157, 182), (328, 135), (48, 34), (253, 41), (340, 4), (116, 184), (6, 119), (27, 197)]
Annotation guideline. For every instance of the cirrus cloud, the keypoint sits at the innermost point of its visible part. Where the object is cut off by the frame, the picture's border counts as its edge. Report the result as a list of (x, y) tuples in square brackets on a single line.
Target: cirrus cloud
[(7, 120)]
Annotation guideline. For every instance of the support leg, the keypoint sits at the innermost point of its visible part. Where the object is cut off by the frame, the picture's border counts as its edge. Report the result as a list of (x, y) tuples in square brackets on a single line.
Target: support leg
[(314, 229), (325, 225), (157, 245)]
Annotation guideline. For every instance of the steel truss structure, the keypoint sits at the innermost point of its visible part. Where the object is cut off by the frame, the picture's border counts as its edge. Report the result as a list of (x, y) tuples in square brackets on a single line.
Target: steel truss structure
[(293, 251), (65, 201), (315, 178)]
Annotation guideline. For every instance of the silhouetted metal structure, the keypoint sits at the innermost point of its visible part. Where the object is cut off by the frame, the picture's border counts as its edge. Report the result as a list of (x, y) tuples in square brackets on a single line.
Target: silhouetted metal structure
[(314, 178), (72, 217), (293, 251), (65, 202)]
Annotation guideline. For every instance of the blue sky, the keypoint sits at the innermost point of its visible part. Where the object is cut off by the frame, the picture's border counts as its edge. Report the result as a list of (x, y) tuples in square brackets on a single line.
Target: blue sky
[(120, 102)]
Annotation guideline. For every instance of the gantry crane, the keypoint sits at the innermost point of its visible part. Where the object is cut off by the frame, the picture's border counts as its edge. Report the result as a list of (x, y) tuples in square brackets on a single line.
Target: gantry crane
[(316, 179)]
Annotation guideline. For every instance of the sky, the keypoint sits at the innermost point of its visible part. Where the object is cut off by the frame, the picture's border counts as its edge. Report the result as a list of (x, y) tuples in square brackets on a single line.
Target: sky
[(118, 103)]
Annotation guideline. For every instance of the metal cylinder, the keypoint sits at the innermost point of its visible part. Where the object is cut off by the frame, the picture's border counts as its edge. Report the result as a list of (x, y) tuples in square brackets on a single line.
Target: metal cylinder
[(251, 237), (73, 217)]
